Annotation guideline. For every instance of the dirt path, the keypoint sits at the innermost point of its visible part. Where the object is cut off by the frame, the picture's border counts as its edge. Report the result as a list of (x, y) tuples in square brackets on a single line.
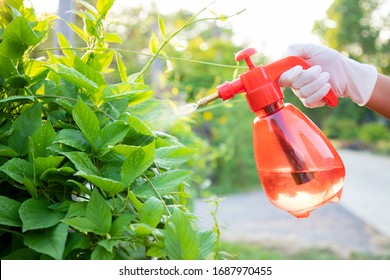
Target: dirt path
[(360, 223)]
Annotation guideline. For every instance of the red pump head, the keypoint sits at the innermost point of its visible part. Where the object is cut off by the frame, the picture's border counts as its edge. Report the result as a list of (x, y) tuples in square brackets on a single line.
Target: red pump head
[(260, 83)]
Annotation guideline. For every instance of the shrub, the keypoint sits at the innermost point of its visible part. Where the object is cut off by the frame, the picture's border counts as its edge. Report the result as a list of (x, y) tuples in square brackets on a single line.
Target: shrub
[(83, 176), (374, 132), (339, 128)]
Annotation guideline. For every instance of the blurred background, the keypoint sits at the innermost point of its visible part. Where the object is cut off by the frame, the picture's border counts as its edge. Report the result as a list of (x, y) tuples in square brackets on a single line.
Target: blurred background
[(202, 56)]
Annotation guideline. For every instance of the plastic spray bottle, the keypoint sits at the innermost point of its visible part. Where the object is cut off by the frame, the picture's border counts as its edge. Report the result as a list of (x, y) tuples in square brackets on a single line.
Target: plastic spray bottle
[(298, 167)]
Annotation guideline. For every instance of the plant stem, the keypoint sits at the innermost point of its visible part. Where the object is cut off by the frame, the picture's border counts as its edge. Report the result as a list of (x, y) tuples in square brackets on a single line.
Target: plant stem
[(191, 21), (158, 195), (11, 231), (119, 50)]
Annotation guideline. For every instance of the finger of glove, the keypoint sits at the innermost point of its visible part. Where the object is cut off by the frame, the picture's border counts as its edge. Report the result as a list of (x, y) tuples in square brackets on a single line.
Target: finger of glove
[(316, 104), (306, 77), (315, 85), (316, 99), (289, 76)]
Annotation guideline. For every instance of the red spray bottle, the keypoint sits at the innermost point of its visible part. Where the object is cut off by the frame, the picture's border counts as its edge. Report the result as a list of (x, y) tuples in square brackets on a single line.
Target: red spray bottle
[(298, 167)]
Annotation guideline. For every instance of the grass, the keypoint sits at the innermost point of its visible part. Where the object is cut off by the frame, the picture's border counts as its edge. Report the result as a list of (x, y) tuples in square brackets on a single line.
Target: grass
[(254, 251), (247, 251)]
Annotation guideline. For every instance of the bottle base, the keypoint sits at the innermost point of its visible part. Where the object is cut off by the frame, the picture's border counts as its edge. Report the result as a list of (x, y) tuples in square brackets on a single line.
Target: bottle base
[(306, 213)]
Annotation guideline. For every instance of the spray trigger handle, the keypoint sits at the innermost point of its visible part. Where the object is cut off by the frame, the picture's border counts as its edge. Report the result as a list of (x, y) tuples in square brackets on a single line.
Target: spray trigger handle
[(274, 70)]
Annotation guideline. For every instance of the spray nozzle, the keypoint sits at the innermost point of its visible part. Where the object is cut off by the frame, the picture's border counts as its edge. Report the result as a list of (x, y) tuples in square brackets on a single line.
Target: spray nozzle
[(206, 100), (260, 82)]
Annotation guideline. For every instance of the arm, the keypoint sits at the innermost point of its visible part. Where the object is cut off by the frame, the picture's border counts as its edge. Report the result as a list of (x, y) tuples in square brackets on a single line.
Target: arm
[(380, 97)]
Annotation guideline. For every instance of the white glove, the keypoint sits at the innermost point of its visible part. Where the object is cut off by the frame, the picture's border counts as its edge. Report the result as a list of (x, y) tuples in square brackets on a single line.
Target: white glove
[(347, 77)]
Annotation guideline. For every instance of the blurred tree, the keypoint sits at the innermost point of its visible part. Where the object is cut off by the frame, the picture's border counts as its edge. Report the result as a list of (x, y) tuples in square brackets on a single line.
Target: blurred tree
[(360, 29), (350, 27)]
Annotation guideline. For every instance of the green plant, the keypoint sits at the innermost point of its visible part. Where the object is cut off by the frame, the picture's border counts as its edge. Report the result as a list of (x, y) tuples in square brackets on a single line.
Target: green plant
[(341, 128), (83, 176), (374, 132)]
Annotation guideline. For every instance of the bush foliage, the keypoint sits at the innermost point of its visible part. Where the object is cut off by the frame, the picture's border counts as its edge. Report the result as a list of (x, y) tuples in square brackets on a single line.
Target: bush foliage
[(83, 175)]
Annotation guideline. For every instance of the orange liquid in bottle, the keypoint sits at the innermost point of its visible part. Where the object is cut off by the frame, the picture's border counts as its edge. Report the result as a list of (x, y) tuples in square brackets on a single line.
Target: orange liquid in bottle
[(299, 168), (299, 199)]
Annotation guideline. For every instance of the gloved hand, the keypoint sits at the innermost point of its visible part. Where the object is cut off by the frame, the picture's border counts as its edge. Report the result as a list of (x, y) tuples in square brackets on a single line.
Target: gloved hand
[(347, 77)]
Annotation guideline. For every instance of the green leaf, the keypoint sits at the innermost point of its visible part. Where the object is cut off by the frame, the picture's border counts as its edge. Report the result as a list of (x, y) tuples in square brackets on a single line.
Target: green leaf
[(73, 76), (181, 241), (138, 126), (87, 121), (108, 244), (134, 92), (83, 35), (41, 140), (83, 224), (111, 134), (154, 43), (17, 98), (112, 38), (50, 242), (18, 169), (207, 240), (57, 174), (7, 69), (6, 151), (88, 71), (62, 206), (82, 162), (17, 37), (103, 6), (25, 125), (151, 212), (36, 69), (30, 187), (164, 184), (17, 4), (12, 49), (66, 48), (9, 212), (20, 31), (137, 163), (100, 253), (161, 25), (125, 150), (77, 209), (76, 240), (110, 186), (72, 138), (121, 67), (35, 214), (142, 229), (16, 81), (99, 212), (157, 250), (100, 61), (173, 156), (120, 224), (42, 164)]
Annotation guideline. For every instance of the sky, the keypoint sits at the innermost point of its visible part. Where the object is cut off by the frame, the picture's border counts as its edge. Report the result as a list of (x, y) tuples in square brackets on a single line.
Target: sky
[(269, 26)]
